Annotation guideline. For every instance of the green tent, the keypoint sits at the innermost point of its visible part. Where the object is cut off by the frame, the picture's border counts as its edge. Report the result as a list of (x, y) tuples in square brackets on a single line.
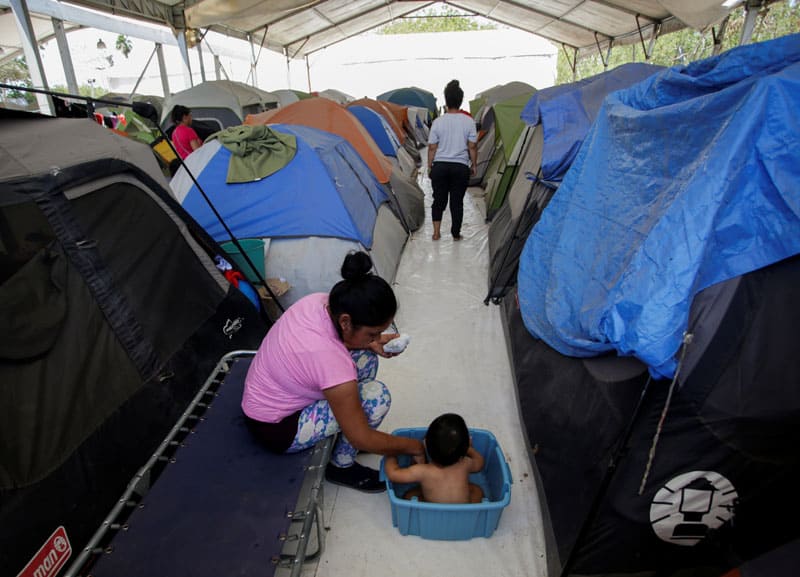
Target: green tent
[(502, 168)]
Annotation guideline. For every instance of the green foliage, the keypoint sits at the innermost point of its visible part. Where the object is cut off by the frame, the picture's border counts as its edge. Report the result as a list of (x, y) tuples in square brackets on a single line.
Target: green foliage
[(444, 19), (15, 72), (688, 45), (124, 45)]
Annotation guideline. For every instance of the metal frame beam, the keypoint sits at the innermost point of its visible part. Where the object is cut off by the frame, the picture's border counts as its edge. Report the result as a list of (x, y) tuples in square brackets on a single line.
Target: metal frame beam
[(66, 57), (32, 57)]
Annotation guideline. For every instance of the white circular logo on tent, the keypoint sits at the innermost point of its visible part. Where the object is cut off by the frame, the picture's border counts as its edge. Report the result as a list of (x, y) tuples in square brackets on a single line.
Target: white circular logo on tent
[(690, 505)]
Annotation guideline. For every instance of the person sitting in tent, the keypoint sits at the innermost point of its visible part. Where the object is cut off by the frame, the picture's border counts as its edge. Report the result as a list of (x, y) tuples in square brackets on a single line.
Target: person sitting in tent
[(184, 136), (314, 375), (452, 158)]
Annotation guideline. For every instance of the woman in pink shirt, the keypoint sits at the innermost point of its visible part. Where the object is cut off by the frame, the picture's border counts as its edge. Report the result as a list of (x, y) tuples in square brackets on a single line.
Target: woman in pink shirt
[(314, 376), (184, 137)]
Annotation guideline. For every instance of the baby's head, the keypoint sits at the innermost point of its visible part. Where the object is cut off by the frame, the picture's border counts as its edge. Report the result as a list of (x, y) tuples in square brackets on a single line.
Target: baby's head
[(447, 439)]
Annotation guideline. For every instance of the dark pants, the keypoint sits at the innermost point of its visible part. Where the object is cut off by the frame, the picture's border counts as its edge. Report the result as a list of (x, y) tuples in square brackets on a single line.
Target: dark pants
[(449, 179)]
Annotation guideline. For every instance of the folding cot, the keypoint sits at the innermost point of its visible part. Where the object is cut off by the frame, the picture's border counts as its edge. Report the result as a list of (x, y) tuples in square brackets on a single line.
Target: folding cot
[(221, 504)]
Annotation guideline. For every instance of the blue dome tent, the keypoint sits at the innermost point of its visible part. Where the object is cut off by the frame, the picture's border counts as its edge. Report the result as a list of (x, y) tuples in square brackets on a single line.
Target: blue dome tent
[(322, 204)]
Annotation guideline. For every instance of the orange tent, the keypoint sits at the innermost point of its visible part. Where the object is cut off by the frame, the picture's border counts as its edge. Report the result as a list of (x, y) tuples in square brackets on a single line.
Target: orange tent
[(400, 112), (327, 115), (382, 109)]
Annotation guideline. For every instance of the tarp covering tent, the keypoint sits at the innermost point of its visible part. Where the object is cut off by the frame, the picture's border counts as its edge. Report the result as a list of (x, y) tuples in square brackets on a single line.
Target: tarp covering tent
[(113, 314), (221, 102), (567, 112), (413, 96), (322, 204), (406, 197), (634, 233), (507, 151), (573, 109)]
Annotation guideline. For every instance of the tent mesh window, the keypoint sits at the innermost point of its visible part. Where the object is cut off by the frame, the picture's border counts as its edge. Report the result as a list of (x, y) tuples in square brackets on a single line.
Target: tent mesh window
[(24, 231)]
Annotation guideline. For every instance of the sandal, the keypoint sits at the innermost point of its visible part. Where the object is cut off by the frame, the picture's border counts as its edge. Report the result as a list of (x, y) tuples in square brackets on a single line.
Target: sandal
[(356, 476)]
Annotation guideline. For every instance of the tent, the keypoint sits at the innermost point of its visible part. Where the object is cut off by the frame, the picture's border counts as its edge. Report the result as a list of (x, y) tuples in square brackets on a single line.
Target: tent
[(559, 118), (113, 314), (416, 120), (285, 96), (337, 96), (670, 456), (322, 204), (496, 94), (633, 278), (324, 114), (566, 113), (387, 114), (385, 138), (222, 103), (413, 96), (508, 144), (396, 115)]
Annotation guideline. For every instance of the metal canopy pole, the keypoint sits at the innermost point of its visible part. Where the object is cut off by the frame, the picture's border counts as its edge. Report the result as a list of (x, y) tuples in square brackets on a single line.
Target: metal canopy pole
[(308, 74), (200, 57), (751, 13), (66, 57), (162, 69), (719, 35), (139, 80), (184, 50), (253, 61), (217, 67), (31, 50)]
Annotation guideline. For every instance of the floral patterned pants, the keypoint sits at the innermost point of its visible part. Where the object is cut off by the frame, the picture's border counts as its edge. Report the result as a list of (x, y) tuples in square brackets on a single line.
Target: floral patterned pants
[(317, 420)]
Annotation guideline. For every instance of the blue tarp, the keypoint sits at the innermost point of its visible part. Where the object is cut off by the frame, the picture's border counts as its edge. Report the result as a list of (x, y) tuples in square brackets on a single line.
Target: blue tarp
[(686, 179), (326, 190), (566, 113), (378, 129)]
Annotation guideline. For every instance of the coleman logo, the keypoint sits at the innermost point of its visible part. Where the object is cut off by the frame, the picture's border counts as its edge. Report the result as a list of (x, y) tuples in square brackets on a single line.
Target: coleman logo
[(232, 327), (50, 558)]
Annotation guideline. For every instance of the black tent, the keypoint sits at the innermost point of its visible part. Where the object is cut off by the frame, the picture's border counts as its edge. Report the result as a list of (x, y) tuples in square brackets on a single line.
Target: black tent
[(719, 488), (113, 314)]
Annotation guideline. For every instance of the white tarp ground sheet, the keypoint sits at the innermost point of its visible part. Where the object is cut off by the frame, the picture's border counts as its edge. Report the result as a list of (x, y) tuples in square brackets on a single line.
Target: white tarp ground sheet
[(456, 362)]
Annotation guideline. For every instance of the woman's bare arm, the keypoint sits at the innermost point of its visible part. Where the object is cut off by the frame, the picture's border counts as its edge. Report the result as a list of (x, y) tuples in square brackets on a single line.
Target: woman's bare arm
[(346, 406)]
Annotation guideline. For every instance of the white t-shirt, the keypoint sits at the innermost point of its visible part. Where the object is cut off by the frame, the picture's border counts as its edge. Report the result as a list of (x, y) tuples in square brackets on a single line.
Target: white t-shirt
[(451, 132)]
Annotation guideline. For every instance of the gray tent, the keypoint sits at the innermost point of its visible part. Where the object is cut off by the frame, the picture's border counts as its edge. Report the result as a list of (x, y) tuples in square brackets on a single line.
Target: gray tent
[(113, 314), (223, 103)]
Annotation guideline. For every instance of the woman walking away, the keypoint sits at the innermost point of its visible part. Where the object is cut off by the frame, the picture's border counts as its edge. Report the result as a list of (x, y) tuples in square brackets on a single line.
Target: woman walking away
[(314, 376), (452, 159)]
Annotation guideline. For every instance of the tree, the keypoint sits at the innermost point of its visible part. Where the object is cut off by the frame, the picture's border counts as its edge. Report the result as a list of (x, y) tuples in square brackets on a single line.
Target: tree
[(124, 45), (444, 19), (688, 45), (15, 72)]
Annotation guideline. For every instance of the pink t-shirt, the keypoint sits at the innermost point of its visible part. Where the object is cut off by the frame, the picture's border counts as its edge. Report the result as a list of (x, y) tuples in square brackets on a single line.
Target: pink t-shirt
[(301, 356), (182, 137)]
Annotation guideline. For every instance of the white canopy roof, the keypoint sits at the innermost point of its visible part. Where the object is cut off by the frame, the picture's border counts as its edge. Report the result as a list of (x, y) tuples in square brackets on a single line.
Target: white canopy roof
[(299, 27)]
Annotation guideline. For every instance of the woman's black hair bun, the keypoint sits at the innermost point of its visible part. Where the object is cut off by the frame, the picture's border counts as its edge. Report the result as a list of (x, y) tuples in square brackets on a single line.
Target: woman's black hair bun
[(453, 83), (356, 265)]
